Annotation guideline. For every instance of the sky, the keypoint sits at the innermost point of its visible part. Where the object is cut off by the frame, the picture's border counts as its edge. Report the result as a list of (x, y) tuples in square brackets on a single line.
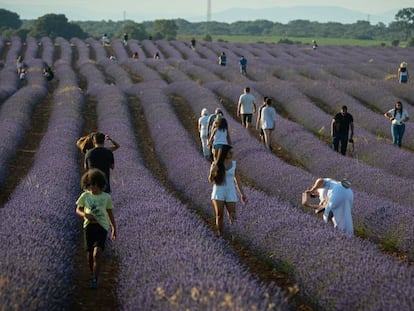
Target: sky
[(141, 10)]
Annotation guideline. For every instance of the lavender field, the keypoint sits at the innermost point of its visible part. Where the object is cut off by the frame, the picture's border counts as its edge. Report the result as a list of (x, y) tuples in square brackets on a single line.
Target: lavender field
[(167, 255)]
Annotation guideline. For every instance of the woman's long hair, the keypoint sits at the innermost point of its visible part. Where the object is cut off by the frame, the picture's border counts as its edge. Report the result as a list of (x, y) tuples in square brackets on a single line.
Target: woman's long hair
[(222, 124), (398, 109), (222, 155)]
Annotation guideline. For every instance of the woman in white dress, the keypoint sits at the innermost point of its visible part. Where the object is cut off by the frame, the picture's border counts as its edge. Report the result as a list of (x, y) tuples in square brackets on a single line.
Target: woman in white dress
[(225, 187)]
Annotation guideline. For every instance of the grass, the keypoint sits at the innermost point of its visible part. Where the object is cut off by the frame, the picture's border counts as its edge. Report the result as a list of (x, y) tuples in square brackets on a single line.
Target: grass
[(296, 40)]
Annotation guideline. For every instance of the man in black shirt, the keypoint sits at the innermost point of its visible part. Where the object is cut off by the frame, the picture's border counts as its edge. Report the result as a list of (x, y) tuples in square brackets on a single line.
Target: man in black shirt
[(100, 157), (340, 126)]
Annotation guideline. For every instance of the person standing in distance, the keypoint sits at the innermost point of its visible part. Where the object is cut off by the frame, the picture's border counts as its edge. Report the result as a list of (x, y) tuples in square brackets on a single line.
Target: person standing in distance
[(100, 157), (398, 116), (342, 123), (268, 120), (243, 66), (222, 59), (246, 107), (258, 120), (402, 73), (202, 129)]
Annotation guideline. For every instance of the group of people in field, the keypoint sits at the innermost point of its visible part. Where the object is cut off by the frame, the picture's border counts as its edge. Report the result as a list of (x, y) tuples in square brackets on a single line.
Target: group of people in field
[(95, 204), (335, 196), (22, 69), (331, 199), (222, 60)]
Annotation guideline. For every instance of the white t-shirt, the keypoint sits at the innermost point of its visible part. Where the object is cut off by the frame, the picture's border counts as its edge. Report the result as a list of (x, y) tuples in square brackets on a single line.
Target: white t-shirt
[(246, 102), (203, 123), (268, 117), (399, 117)]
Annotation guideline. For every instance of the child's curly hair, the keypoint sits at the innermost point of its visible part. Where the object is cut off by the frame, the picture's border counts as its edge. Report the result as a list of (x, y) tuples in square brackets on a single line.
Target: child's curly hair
[(94, 176)]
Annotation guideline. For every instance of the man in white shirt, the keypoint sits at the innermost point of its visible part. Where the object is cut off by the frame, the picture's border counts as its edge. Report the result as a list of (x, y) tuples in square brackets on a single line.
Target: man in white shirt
[(246, 107)]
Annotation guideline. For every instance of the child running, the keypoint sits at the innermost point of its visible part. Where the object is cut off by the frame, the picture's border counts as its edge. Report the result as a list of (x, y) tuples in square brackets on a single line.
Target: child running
[(95, 207)]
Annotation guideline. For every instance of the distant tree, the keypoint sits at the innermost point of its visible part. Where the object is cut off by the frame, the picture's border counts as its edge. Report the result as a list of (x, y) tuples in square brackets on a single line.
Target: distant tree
[(405, 19), (208, 38), (361, 30), (56, 25), (135, 30), (9, 19), (165, 29), (21, 32)]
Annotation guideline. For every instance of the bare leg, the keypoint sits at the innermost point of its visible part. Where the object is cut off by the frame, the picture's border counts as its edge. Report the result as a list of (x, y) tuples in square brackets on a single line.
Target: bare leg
[(231, 211), (97, 251), (267, 134), (219, 211), (89, 258)]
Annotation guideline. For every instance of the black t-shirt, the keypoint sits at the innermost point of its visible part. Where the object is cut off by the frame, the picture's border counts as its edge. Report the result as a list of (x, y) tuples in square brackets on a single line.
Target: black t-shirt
[(342, 121), (100, 158)]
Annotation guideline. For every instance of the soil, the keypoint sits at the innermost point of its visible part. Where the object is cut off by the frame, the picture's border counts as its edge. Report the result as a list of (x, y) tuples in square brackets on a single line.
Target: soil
[(104, 298)]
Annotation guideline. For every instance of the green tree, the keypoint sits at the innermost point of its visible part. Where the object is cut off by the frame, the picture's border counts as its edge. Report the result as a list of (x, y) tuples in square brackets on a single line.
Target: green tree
[(405, 19), (56, 25), (165, 29), (9, 19), (135, 30)]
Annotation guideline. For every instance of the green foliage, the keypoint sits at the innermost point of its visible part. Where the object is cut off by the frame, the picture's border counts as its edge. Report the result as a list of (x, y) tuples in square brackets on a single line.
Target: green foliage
[(164, 29), (208, 38), (56, 25), (9, 19), (395, 42), (249, 31), (405, 19), (410, 42), (285, 41), (135, 31)]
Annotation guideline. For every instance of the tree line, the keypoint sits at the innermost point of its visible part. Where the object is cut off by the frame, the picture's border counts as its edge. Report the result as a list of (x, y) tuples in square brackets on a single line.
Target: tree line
[(54, 25)]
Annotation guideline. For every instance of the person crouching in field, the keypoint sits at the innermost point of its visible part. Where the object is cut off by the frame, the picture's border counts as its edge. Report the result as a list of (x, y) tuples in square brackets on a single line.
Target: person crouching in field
[(335, 201), (95, 207)]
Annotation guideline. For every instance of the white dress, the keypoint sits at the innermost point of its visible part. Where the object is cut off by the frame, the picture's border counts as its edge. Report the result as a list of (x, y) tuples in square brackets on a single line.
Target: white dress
[(227, 190)]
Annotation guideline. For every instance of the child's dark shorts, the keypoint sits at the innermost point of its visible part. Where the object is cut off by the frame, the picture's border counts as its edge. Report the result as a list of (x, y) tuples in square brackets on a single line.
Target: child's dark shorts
[(95, 236)]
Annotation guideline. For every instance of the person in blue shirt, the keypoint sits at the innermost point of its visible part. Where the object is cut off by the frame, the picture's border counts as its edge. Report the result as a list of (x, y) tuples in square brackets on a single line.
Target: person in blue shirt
[(243, 65)]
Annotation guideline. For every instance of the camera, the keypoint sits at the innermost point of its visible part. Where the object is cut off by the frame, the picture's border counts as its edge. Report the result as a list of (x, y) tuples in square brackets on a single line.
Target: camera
[(351, 140)]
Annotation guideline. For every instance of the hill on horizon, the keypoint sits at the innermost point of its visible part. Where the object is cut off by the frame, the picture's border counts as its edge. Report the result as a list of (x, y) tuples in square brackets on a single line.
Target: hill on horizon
[(322, 14)]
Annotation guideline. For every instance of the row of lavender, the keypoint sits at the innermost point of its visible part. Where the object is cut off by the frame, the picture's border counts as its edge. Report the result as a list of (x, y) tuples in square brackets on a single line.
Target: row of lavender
[(370, 149), (16, 110), (373, 213), (156, 110), (39, 229), (150, 94), (176, 262), (268, 224)]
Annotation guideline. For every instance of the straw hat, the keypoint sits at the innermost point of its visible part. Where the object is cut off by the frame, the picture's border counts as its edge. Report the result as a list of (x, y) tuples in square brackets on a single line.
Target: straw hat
[(403, 65)]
